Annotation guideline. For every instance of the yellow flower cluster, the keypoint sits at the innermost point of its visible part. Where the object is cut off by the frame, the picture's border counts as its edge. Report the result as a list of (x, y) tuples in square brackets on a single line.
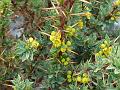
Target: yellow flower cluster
[(65, 47), (71, 78), (105, 49), (70, 30), (88, 15), (32, 43), (84, 79), (80, 24), (117, 13), (65, 61), (115, 16), (117, 3), (55, 38)]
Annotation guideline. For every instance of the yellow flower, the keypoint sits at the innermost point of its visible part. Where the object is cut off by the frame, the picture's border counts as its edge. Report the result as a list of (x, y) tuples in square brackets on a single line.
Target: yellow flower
[(85, 75), (30, 40), (52, 38), (35, 44), (112, 18), (97, 54), (58, 35), (55, 35), (102, 46), (107, 53), (79, 79), (80, 24), (88, 15), (105, 49), (117, 13), (70, 30), (63, 48), (57, 43), (117, 3), (100, 52), (85, 80), (55, 38), (68, 43), (32, 43), (110, 48)]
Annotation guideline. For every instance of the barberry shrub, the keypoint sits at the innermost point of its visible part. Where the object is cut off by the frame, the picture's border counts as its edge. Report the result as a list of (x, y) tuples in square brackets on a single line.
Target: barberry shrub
[(64, 44)]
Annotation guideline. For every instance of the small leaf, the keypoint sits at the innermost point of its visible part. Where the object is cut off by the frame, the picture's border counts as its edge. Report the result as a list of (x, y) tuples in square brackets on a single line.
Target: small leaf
[(97, 69), (110, 67), (107, 38), (116, 71)]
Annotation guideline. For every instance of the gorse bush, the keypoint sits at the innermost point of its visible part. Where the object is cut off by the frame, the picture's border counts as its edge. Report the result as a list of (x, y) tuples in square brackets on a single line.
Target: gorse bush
[(59, 44)]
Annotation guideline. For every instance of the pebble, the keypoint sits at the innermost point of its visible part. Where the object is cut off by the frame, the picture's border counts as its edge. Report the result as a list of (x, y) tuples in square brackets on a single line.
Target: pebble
[(16, 28)]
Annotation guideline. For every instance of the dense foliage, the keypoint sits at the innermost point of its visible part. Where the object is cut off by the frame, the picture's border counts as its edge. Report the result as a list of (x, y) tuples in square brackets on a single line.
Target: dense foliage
[(60, 44)]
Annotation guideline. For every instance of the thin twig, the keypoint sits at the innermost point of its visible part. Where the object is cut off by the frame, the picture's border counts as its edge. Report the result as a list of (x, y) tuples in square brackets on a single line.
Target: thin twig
[(116, 38), (45, 33), (2, 59), (55, 8), (52, 8)]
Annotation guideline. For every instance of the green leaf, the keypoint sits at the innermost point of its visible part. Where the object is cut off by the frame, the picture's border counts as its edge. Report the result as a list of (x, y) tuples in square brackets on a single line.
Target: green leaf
[(20, 51), (116, 71), (107, 38), (110, 67)]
